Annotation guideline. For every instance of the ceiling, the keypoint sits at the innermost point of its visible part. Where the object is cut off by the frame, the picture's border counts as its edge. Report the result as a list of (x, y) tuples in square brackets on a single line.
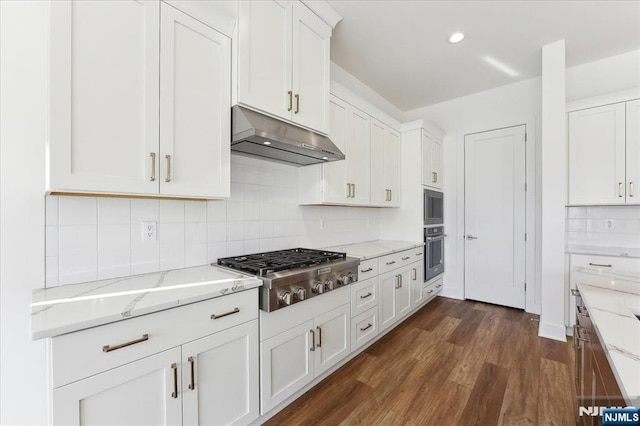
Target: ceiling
[(401, 50)]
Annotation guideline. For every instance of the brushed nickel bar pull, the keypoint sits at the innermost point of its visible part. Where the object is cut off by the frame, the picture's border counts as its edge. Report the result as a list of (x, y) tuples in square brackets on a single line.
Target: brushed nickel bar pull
[(620, 189), (438, 285), (108, 348), (390, 195), (168, 158), (313, 340), (397, 281), (419, 254), (354, 190), (192, 363), (297, 104), (406, 258), (319, 336), (366, 295), (575, 292), (400, 276), (235, 311), (434, 177), (153, 166), (290, 93), (348, 190), (174, 367), (430, 291), (415, 274), (630, 189), (366, 270), (600, 265), (391, 263), (582, 311), (367, 327)]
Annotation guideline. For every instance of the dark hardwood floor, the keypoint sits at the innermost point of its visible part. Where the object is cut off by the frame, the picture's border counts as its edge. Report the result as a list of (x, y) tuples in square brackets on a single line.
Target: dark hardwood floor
[(452, 363)]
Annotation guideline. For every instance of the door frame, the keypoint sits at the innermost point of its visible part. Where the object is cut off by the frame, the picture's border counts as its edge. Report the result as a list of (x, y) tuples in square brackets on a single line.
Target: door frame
[(456, 203)]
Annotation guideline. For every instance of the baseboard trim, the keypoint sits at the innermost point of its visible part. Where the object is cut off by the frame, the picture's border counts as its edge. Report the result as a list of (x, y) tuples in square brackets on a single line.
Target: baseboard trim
[(552, 331)]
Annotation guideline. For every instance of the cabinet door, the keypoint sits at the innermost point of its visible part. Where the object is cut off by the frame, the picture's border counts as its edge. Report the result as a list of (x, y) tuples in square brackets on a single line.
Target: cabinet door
[(436, 163), (633, 152), (392, 167), (597, 155), (417, 281), (427, 171), (358, 149), (404, 292), (333, 338), (286, 364), (334, 174), (195, 97), (220, 377), (140, 393), (387, 305), (264, 56), (311, 44), (104, 96), (379, 190)]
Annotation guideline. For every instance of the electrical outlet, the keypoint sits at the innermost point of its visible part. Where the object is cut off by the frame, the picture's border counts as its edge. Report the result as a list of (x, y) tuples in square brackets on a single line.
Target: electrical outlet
[(609, 223), (149, 231)]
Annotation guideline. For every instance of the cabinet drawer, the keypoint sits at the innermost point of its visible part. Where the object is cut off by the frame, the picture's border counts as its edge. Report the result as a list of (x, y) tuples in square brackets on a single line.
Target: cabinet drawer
[(364, 296), (84, 353), (390, 262), (367, 269), (607, 263), (432, 288), (364, 327)]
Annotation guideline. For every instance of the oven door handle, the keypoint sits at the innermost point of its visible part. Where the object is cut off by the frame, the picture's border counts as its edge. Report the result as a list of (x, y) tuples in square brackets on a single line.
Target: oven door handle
[(435, 238)]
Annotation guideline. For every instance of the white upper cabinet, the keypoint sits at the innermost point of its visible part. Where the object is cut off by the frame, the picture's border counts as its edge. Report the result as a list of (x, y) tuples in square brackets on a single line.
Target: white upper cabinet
[(283, 62), (195, 99), (633, 151), (129, 116), (597, 155), (104, 95), (431, 161), (385, 165)]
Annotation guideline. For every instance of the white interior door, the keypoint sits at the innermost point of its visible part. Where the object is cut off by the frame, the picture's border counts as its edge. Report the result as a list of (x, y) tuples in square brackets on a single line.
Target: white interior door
[(495, 216)]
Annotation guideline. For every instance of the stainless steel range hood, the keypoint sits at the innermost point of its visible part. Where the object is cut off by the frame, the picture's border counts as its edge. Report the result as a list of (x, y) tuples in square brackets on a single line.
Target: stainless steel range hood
[(259, 135)]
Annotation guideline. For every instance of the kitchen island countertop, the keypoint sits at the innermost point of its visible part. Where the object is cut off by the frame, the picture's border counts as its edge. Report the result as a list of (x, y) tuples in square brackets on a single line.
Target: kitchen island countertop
[(608, 297), (69, 308), (376, 248)]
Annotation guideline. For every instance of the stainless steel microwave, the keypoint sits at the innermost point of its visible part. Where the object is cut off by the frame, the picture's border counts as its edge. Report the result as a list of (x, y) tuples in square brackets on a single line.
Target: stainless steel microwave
[(433, 208)]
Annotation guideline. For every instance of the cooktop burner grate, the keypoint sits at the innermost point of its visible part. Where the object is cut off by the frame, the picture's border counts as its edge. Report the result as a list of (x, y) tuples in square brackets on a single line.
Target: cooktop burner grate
[(262, 264)]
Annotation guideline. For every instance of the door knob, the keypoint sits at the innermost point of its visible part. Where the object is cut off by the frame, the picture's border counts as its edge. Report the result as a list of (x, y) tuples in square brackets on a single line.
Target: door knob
[(470, 237)]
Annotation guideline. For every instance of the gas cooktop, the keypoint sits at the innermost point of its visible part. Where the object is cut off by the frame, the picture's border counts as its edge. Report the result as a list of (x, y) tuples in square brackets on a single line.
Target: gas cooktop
[(261, 264)]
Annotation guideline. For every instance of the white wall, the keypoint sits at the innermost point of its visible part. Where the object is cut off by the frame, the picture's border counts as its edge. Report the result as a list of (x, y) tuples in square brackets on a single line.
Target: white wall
[(510, 105), (23, 108), (609, 75)]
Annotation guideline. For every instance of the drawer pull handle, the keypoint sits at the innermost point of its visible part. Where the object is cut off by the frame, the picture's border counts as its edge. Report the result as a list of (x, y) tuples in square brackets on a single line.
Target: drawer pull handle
[(419, 254), (600, 265), (367, 327), (430, 291), (391, 263), (235, 311), (575, 292), (438, 285), (366, 295), (582, 311), (192, 363), (406, 258), (366, 270), (174, 367), (108, 348)]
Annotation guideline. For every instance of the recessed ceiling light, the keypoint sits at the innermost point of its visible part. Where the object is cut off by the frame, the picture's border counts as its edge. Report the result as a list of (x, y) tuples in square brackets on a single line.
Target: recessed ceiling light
[(456, 37), (325, 158), (266, 143)]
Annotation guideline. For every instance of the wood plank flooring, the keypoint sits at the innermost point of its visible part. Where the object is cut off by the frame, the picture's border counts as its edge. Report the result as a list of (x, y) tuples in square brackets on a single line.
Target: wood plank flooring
[(452, 363)]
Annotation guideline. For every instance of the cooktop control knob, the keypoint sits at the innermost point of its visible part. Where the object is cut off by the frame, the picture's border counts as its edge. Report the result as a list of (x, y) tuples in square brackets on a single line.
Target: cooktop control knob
[(300, 293), (352, 277), (330, 284), (344, 279), (318, 287), (284, 298)]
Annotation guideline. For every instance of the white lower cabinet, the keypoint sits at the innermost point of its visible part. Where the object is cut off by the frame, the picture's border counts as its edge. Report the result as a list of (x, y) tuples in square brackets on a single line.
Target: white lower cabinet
[(293, 358), (364, 328), (417, 283), (395, 296), (206, 374), (138, 393)]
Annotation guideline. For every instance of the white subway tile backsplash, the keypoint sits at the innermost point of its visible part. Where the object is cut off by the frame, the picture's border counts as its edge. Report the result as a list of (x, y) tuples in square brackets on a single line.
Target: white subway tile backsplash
[(251, 211), (144, 211), (76, 239), (195, 254), (51, 210), (77, 211), (266, 229), (237, 191), (252, 246), (597, 212), (215, 251), (216, 211), (235, 231), (114, 211), (114, 251), (235, 248), (235, 211), (624, 232), (145, 255), (172, 253), (617, 212), (266, 244), (171, 211), (195, 211), (195, 233), (217, 232), (78, 268), (251, 229)]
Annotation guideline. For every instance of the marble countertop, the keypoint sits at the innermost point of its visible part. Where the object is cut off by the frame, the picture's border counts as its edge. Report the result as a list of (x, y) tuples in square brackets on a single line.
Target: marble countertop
[(376, 248), (603, 251), (68, 308), (608, 297)]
